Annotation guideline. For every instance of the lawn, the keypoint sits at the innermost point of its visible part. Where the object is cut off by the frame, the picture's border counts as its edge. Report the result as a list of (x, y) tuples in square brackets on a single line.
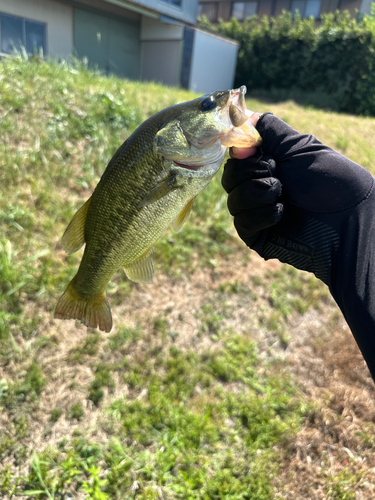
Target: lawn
[(226, 378)]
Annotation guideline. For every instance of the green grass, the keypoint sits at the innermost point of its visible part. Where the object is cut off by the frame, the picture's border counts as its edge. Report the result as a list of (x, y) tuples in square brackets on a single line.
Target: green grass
[(191, 443), (149, 411)]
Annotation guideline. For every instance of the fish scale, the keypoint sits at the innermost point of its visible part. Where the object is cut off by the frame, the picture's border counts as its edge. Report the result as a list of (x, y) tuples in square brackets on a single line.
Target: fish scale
[(150, 183)]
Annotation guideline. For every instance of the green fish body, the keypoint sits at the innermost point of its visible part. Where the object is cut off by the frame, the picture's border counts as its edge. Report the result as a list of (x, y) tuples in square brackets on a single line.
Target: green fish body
[(150, 183)]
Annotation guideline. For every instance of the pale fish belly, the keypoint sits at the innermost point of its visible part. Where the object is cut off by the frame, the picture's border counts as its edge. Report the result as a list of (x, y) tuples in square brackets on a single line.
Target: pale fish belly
[(155, 219)]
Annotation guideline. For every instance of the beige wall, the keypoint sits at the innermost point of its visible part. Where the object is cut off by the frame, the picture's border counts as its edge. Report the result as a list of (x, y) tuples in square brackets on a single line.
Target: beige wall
[(153, 29), (161, 49), (213, 63), (161, 61), (365, 7), (57, 16), (111, 8)]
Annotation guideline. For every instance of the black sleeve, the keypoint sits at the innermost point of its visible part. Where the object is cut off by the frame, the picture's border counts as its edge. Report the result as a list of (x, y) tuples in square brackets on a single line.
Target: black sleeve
[(329, 206)]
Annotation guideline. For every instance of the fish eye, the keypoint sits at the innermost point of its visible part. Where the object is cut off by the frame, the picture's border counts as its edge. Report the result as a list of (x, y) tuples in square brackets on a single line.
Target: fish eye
[(208, 103)]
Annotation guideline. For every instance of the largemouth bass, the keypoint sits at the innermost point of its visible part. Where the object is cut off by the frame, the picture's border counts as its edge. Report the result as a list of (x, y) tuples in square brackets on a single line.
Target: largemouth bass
[(150, 183)]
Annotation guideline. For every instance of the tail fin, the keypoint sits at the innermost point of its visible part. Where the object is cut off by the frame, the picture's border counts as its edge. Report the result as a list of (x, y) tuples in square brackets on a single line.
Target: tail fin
[(94, 312)]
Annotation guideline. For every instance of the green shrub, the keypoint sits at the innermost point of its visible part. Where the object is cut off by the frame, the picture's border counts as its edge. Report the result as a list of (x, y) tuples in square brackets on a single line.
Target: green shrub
[(331, 64)]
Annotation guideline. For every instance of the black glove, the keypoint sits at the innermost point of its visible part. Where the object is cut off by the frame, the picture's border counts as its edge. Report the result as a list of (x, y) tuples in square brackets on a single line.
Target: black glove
[(312, 208), (293, 216)]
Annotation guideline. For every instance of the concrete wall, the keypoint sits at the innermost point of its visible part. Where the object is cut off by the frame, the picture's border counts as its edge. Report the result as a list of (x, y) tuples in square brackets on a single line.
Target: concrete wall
[(213, 63), (275, 7), (265, 8), (57, 16), (153, 29), (107, 6), (161, 48), (365, 7), (161, 62), (351, 6), (187, 12)]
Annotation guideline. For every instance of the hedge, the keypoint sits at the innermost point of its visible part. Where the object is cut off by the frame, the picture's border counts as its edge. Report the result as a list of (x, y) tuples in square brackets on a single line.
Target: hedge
[(334, 59)]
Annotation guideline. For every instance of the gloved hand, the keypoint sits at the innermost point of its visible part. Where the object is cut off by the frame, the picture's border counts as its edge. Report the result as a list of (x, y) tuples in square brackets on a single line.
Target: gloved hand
[(293, 201), (309, 206)]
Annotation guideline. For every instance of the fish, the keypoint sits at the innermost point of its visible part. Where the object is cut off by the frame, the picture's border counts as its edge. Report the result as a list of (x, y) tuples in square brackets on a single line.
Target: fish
[(150, 183)]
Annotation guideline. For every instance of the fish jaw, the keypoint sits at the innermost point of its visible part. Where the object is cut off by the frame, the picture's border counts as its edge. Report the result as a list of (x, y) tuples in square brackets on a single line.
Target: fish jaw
[(202, 170), (230, 123), (206, 160), (237, 97), (239, 132)]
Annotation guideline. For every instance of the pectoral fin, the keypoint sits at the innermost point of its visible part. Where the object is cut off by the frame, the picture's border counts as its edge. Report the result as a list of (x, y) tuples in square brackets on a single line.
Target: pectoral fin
[(142, 270), (171, 141), (183, 215), (162, 188), (74, 236)]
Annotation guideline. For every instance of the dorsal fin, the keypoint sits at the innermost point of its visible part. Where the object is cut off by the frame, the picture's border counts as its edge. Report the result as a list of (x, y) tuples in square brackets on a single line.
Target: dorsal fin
[(74, 236), (142, 270), (183, 215)]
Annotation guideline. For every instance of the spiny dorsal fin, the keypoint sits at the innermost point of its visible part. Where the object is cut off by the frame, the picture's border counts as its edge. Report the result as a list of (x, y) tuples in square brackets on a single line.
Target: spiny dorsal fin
[(74, 236), (142, 270), (183, 215)]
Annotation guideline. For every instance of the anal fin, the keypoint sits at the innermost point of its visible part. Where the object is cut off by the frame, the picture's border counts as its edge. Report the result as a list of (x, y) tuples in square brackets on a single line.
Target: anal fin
[(74, 235), (183, 215), (142, 270)]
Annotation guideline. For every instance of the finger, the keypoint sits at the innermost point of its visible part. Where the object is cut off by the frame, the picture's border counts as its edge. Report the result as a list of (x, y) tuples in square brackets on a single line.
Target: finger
[(255, 167), (254, 118), (241, 153), (250, 222), (254, 193)]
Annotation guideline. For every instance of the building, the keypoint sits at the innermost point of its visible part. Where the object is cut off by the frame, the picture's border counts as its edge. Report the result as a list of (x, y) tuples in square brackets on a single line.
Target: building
[(226, 9), (136, 39)]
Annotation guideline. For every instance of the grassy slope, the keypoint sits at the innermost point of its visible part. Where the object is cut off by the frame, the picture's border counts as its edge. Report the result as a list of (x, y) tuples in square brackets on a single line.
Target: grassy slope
[(220, 380)]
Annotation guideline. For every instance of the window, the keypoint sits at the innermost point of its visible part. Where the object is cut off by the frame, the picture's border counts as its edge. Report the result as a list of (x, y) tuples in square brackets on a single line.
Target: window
[(312, 8), (175, 3), (242, 10), (210, 10), (16, 33), (306, 8)]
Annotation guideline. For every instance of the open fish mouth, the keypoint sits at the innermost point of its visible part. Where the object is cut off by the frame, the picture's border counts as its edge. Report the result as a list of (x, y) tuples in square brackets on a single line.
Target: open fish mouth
[(240, 132), (237, 106), (228, 126), (237, 98)]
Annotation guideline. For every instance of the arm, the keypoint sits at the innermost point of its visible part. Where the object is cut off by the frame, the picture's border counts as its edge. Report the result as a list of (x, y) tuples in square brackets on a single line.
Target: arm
[(317, 213)]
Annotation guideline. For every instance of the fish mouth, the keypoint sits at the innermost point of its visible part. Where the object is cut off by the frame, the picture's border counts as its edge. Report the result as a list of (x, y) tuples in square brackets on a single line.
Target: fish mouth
[(237, 106), (204, 158), (236, 119), (237, 98)]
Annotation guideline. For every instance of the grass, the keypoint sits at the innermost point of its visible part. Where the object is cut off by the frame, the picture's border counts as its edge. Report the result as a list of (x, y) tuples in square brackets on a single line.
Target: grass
[(192, 395)]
